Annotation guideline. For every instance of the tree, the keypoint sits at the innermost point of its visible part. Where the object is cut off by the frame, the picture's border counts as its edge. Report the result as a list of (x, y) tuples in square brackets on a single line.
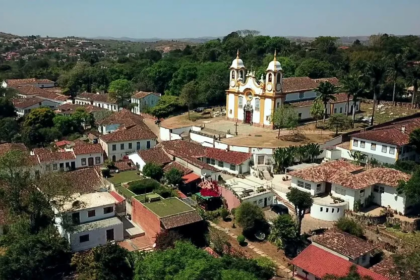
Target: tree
[(65, 124), (7, 109), (120, 90), (166, 106), (153, 171), (108, 262), (40, 118), (376, 72), (396, 69), (317, 111), (285, 117), (284, 157), (314, 68), (189, 96), (414, 78), (313, 150), (9, 130), (358, 157), (411, 188), (350, 226), (407, 264), (302, 201), (339, 122), (174, 176), (166, 239), (250, 217), (326, 92), (415, 139), (354, 86), (283, 232)]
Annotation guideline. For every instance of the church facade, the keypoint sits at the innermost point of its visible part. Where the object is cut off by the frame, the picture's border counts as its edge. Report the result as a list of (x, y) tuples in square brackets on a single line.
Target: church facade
[(254, 101)]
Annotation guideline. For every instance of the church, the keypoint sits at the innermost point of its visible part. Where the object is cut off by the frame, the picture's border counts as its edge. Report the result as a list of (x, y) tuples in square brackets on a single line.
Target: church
[(254, 101)]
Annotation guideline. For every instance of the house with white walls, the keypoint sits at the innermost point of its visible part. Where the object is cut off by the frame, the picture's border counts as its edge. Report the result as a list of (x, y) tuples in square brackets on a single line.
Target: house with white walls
[(144, 100), (118, 120), (351, 188), (99, 100), (39, 83)]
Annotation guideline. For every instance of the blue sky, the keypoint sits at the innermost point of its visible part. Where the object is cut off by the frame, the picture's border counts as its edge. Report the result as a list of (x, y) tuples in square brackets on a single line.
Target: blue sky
[(199, 18)]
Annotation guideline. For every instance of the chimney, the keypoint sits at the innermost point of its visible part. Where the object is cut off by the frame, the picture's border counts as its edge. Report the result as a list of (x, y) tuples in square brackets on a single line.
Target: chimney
[(403, 129)]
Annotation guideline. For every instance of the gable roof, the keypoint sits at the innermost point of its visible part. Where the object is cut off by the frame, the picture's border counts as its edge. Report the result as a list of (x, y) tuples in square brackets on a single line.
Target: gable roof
[(333, 80), (339, 98), (98, 97), (180, 219), (155, 155), (184, 170), (85, 180), (230, 157), (7, 147), (298, 84), (123, 117), (55, 156), (16, 82), (142, 94), (23, 103), (83, 149), (343, 243), (321, 263), (137, 132)]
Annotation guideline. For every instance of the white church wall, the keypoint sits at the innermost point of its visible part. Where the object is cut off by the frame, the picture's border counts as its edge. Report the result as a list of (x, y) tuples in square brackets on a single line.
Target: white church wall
[(231, 106), (267, 111)]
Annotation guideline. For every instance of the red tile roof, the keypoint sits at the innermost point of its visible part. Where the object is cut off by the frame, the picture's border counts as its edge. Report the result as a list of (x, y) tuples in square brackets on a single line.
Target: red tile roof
[(85, 180), (71, 108), (298, 84), (123, 118), (16, 82), (84, 149), (23, 103), (387, 268), (7, 147), (55, 156), (63, 143), (321, 263), (142, 94), (155, 155), (125, 165), (137, 132), (332, 80), (181, 219), (230, 157), (190, 178), (343, 243), (177, 166), (96, 97), (340, 98)]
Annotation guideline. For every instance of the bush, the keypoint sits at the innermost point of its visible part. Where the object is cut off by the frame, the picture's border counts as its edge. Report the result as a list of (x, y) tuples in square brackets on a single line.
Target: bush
[(233, 211), (106, 173), (164, 192), (143, 186), (224, 213), (241, 239), (350, 226), (166, 239), (174, 176), (211, 215), (250, 217), (153, 171)]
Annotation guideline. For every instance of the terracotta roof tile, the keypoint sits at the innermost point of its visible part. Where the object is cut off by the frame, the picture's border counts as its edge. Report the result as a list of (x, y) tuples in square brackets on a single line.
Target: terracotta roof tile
[(142, 94), (177, 166), (83, 149), (55, 156), (96, 97), (137, 132), (298, 84), (321, 263), (125, 165), (180, 219), (7, 147), (23, 103), (124, 118), (230, 157), (386, 268), (333, 80), (155, 155), (340, 98), (343, 243), (15, 82), (85, 180)]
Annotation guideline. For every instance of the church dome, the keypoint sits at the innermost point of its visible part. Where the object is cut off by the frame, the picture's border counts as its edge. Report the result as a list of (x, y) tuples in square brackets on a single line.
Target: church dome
[(237, 63), (274, 66)]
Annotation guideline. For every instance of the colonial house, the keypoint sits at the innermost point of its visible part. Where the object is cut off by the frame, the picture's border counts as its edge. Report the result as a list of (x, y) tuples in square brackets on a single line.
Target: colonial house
[(346, 246), (25, 105), (89, 217), (314, 263), (50, 99), (97, 100), (40, 83), (122, 119), (254, 101), (351, 184), (144, 100)]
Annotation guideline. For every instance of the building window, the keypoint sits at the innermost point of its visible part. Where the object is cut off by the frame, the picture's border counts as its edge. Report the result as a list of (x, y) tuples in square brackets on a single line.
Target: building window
[(47, 167), (260, 159), (376, 189), (338, 210), (392, 150), (138, 145), (362, 144), (55, 166), (332, 210), (362, 193), (91, 213), (257, 104), (300, 116), (108, 210), (300, 184), (307, 186), (97, 160), (335, 112), (278, 104), (321, 209), (148, 144), (213, 161), (373, 146), (384, 149), (301, 95), (84, 238), (208, 160), (341, 110), (220, 163), (381, 189), (260, 201), (114, 147), (326, 210), (240, 101), (130, 145), (83, 161), (318, 187), (233, 167), (355, 143), (122, 146)]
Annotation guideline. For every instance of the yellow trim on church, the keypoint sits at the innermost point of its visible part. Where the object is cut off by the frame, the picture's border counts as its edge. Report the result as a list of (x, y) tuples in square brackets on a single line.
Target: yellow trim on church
[(236, 104), (262, 109)]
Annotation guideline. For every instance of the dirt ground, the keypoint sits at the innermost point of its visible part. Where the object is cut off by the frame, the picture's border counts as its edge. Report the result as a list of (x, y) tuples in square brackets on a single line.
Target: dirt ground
[(387, 113)]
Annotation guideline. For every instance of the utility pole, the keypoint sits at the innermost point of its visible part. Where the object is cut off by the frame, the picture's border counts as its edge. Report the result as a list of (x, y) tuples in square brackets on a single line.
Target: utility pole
[(236, 128)]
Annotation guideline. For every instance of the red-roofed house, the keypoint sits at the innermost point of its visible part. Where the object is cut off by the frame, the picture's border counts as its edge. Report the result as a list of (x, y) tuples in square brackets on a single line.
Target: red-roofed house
[(97, 100), (40, 83), (315, 263), (144, 100)]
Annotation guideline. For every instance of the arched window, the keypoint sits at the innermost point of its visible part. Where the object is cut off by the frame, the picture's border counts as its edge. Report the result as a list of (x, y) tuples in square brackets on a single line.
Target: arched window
[(278, 78), (241, 74), (270, 78), (240, 101), (233, 74), (257, 104)]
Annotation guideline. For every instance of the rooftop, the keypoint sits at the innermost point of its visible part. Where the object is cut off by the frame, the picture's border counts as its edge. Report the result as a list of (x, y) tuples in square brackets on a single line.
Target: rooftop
[(168, 207), (343, 243), (137, 132), (7, 147), (84, 149), (85, 180), (321, 263), (15, 82), (55, 156), (142, 94), (387, 268), (97, 224), (155, 155), (177, 166), (297, 84), (230, 157), (247, 187), (88, 200), (22, 103), (124, 118), (96, 97)]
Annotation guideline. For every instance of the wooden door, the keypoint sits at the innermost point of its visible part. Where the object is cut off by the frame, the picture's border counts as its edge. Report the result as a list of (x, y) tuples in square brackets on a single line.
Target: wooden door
[(248, 117), (90, 161)]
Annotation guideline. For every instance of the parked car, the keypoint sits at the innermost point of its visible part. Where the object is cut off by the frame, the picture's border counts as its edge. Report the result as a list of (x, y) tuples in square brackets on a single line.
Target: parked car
[(279, 209)]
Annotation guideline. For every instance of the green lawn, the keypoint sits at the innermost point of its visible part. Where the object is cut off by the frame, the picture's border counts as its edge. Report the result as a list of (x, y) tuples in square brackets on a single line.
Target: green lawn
[(123, 177), (142, 197), (168, 206), (124, 191), (409, 239)]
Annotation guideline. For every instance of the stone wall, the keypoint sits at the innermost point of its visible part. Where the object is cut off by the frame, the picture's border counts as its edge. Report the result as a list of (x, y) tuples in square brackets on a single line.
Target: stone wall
[(405, 226), (366, 219)]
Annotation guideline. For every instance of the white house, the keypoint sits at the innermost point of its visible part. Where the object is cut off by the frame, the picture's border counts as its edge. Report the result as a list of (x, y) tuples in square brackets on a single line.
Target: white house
[(40, 83), (351, 187), (98, 100), (118, 120), (144, 100), (25, 105), (88, 155), (89, 220)]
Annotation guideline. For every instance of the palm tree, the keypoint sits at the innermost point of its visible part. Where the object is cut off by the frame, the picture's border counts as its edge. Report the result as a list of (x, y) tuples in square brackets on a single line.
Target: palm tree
[(376, 72), (359, 157), (283, 157), (396, 69), (313, 150), (326, 92), (354, 86), (414, 77), (302, 153)]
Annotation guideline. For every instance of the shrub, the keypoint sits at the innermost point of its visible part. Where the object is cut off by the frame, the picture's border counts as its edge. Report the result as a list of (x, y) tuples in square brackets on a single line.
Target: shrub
[(106, 173), (224, 213), (174, 176), (164, 192), (233, 211), (143, 186), (350, 226), (153, 171), (250, 217), (241, 239), (166, 239), (211, 215)]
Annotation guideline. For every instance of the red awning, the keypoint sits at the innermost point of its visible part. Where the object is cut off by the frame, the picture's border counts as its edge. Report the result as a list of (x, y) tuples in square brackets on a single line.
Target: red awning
[(190, 178)]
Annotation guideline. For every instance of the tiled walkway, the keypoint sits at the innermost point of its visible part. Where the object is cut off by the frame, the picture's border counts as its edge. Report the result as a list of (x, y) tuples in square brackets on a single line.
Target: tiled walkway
[(287, 272)]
